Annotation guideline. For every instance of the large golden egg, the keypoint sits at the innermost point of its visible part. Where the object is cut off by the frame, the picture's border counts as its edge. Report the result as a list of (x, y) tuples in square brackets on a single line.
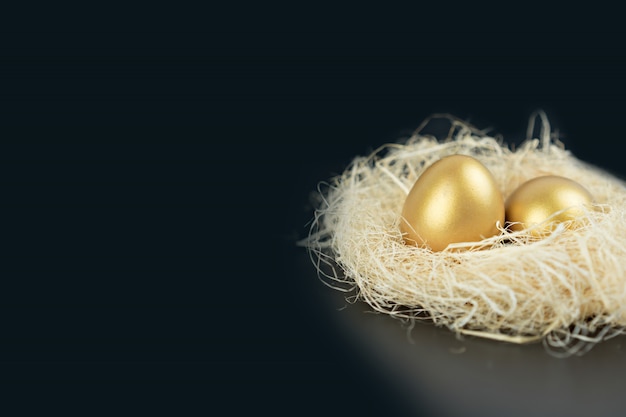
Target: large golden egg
[(540, 199), (456, 199)]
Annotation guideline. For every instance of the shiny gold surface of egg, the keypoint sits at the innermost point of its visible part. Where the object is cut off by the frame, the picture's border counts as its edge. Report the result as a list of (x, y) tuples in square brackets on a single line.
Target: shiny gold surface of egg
[(456, 199), (536, 200)]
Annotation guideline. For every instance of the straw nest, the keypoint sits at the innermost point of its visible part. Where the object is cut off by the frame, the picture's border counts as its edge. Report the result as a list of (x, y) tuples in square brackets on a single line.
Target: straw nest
[(567, 289)]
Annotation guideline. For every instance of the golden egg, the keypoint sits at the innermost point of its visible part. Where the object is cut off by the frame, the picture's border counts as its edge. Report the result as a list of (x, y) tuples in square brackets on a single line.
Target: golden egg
[(456, 199), (547, 197)]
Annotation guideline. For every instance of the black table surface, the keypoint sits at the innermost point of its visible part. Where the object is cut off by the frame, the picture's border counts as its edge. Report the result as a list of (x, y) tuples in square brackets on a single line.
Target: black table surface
[(428, 370)]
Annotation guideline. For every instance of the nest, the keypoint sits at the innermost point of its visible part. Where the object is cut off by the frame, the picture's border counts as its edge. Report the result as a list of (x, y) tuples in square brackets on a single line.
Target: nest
[(567, 289)]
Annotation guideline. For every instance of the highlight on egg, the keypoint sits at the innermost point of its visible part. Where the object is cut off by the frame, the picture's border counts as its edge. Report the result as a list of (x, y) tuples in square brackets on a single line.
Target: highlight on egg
[(456, 199), (543, 202)]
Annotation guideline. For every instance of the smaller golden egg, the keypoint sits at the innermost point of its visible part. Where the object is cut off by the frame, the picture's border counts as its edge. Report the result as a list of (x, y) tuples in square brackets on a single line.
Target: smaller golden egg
[(543, 202)]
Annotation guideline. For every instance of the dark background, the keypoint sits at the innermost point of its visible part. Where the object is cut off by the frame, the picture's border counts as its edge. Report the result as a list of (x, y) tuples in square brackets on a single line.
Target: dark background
[(154, 184)]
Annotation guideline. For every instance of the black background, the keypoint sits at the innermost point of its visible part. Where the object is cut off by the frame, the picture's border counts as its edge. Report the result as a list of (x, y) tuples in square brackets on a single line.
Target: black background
[(154, 184)]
